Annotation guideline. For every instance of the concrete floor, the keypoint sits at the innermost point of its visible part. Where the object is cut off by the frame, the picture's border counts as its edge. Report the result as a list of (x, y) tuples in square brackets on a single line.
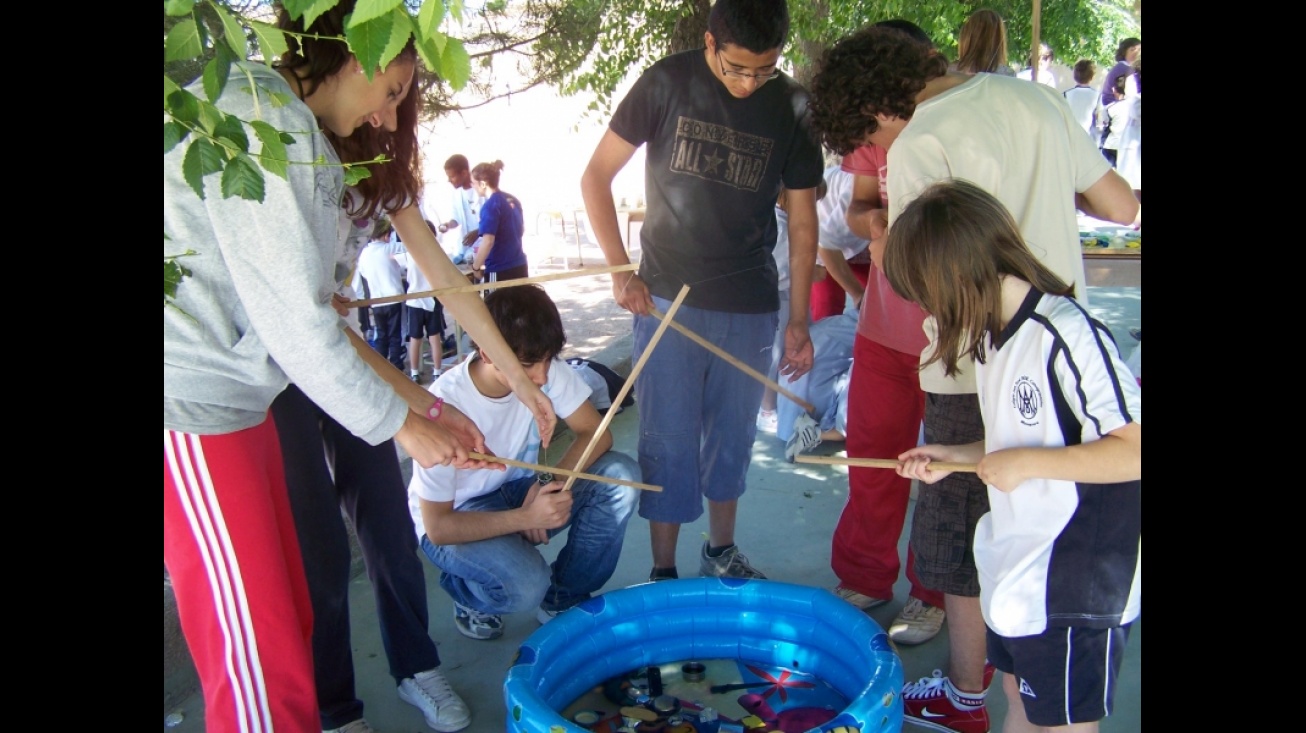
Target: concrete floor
[(785, 524)]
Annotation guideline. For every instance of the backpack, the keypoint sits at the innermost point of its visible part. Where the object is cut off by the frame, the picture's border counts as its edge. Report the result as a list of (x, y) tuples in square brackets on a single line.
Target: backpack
[(603, 381)]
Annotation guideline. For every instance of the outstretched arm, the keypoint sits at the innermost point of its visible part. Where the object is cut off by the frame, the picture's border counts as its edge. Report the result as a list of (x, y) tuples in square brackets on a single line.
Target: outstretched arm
[(1116, 457), (1112, 199), (611, 155)]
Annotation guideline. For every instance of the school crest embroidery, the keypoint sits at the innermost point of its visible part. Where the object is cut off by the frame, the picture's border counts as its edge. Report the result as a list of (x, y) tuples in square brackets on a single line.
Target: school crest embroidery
[(1027, 399)]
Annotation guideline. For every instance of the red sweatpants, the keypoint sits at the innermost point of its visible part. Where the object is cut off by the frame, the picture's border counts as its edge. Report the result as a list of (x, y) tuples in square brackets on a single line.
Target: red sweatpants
[(885, 409), (828, 296), (230, 548)]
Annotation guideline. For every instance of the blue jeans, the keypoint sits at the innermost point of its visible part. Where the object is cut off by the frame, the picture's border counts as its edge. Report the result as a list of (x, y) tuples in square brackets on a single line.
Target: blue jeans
[(506, 574), (698, 412), (826, 385)]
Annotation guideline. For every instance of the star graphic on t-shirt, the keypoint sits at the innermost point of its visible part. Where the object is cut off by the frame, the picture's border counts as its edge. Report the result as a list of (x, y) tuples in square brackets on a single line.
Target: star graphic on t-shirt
[(710, 162)]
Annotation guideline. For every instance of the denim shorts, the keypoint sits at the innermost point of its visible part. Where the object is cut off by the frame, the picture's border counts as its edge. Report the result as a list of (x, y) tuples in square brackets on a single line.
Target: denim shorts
[(943, 525), (698, 412)]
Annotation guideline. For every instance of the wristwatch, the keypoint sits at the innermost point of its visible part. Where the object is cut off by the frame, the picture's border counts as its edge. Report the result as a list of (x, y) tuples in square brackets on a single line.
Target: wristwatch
[(544, 478)]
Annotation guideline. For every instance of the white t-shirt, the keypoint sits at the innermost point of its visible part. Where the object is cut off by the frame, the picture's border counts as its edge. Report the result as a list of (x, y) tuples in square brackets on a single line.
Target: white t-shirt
[(1083, 103), (1019, 142), (509, 429), (831, 213), (1054, 552), (417, 282), (377, 264)]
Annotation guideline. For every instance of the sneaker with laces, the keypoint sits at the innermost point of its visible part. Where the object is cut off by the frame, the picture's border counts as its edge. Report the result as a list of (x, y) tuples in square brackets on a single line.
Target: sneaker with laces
[(544, 615), (767, 420), (807, 435), (729, 564), (860, 600), (357, 726), (932, 702), (430, 692), (916, 623), (476, 625)]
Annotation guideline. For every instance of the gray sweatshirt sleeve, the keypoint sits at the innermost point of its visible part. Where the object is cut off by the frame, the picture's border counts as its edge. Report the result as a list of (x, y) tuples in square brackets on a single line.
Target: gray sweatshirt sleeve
[(277, 258)]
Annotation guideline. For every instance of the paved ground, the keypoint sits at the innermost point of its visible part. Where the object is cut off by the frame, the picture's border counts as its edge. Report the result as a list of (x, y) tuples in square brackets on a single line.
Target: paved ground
[(797, 503)]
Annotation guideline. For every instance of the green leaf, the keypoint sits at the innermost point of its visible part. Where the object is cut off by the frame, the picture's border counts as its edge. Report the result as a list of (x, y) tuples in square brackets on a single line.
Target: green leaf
[(429, 18), (183, 106), (356, 173), (210, 116), (173, 133), (296, 8), (202, 158), (231, 134), (272, 156), (242, 178), (368, 41), (455, 64), (429, 52), (271, 41), (173, 273), (177, 8), (399, 35), (183, 41), (456, 10), (316, 8), (366, 10), (217, 71), (232, 32), (169, 86), (280, 99)]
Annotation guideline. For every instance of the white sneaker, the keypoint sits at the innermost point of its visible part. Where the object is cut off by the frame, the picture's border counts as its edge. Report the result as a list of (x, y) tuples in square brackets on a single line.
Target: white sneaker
[(544, 616), (767, 420), (430, 692), (916, 623), (476, 625), (860, 600), (357, 726), (807, 435)]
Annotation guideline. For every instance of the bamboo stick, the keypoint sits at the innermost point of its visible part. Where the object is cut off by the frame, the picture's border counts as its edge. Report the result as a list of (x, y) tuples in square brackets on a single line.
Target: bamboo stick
[(881, 463), (630, 380), (735, 362), (560, 471), (477, 287)]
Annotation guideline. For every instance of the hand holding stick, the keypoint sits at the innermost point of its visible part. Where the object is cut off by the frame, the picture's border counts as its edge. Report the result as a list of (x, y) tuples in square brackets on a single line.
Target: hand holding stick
[(540, 468)]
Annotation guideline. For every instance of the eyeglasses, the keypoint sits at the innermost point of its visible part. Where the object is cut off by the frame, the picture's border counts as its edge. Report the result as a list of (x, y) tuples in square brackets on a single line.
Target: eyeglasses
[(732, 74)]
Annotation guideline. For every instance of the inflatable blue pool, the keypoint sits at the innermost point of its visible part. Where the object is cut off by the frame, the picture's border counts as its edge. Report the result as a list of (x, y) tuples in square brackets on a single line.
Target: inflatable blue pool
[(756, 621)]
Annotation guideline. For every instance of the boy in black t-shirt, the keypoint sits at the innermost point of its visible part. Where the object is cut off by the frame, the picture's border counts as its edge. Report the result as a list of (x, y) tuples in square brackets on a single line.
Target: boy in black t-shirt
[(724, 130)]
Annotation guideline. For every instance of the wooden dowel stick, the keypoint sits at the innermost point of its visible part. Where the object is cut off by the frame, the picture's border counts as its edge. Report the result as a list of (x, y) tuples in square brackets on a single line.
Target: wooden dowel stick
[(736, 363), (880, 463), (472, 288), (630, 380), (560, 471)]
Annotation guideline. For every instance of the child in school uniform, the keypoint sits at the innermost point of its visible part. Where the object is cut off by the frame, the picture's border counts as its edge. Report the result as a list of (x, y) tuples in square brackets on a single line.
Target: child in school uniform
[(1059, 553)]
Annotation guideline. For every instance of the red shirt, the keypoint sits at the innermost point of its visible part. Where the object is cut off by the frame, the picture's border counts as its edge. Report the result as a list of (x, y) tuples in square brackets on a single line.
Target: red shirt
[(885, 318)]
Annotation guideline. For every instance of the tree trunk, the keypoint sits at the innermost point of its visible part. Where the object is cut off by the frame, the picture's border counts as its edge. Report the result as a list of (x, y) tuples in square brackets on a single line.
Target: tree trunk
[(689, 30)]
